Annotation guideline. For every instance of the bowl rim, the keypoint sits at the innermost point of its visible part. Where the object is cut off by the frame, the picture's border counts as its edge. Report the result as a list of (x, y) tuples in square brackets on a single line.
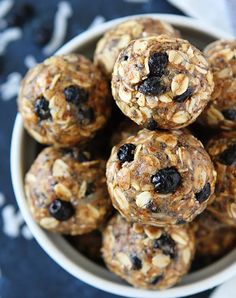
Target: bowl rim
[(16, 153)]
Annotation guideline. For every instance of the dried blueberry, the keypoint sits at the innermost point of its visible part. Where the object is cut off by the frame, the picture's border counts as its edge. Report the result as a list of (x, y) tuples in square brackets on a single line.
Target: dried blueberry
[(182, 97), (75, 94), (152, 86), (157, 64), (15, 20), (41, 108), (136, 263), (203, 194), (229, 114), (166, 180), (27, 10), (228, 156), (61, 210), (90, 188), (126, 153), (166, 244), (152, 125), (126, 57), (85, 115), (156, 279)]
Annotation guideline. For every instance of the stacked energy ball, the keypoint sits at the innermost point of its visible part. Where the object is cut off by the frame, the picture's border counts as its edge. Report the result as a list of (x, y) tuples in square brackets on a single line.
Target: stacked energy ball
[(159, 177)]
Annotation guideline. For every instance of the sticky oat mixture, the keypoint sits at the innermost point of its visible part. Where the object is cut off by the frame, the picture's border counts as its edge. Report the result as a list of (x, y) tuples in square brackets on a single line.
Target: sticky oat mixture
[(66, 191), (147, 257), (113, 41), (64, 100), (221, 111), (162, 82), (222, 150), (160, 178)]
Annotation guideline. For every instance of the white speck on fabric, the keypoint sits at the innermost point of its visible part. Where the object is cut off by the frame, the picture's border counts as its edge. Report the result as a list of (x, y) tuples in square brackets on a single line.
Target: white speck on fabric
[(5, 7), (2, 199), (26, 233), (62, 15), (10, 87), (7, 36), (12, 221), (30, 61), (97, 20), (137, 1)]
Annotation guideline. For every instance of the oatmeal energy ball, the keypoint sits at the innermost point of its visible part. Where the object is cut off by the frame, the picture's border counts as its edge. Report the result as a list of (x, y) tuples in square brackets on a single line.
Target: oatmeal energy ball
[(66, 191), (160, 178), (118, 38), (214, 239), (64, 100), (222, 150), (221, 111), (161, 82), (145, 256)]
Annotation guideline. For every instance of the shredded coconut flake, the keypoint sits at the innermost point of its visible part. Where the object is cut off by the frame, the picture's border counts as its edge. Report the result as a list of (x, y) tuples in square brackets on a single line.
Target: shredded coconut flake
[(30, 61), (5, 7), (10, 88), (8, 36), (63, 13), (97, 20), (2, 199), (26, 233), (12, 221)]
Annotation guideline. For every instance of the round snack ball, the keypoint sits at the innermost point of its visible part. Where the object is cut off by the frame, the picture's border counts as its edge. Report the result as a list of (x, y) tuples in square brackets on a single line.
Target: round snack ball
[(160, 178), (64, 100), (67, 192), (221, 111), (214, 239), (118, 38), (145, 256), (161, 82), (222, 150), (126, 129)]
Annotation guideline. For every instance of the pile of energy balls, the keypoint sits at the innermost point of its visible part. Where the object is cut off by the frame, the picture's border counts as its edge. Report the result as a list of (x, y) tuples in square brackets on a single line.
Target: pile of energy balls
[(157, 175)]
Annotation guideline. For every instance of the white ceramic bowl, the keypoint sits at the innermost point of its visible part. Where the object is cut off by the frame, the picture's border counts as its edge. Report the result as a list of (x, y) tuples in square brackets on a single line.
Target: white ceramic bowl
[(23, 151)]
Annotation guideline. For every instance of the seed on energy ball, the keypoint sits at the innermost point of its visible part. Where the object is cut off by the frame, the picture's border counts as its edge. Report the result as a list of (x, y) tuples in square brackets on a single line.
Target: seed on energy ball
[(203, 195), (152, 86), (228, 157), (85, 115), (182, 97), (229, 114), (136, 263), (152, 125), (126, 153), (41, 108), (166, 244), (75, 94), (166, 180), (61, 210), (157, 64)]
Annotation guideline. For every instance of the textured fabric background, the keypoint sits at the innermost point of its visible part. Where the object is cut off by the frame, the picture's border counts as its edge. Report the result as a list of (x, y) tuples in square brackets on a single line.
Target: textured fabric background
[(25, 270)]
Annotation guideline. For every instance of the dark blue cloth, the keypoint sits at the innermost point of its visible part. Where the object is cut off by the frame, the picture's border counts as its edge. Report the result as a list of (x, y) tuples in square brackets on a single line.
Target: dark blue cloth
[(26, 271)]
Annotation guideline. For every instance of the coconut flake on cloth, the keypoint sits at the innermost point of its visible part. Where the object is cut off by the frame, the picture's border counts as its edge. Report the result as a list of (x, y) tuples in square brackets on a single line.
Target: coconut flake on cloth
[(62, 16), (10, 88)]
